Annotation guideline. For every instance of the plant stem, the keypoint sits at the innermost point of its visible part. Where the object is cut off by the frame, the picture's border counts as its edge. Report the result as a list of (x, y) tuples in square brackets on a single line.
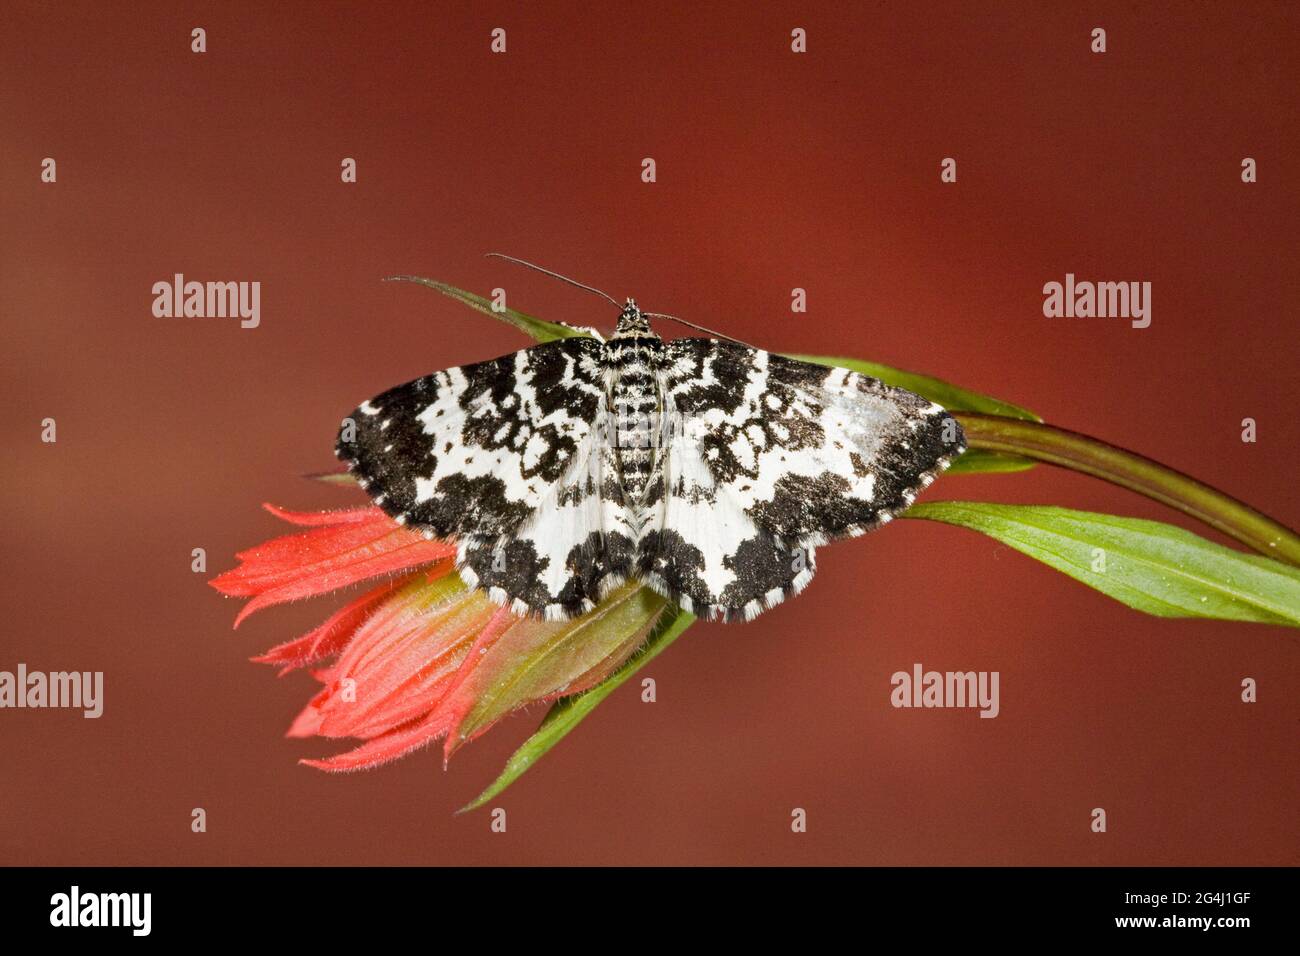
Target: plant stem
[(1058, 446)]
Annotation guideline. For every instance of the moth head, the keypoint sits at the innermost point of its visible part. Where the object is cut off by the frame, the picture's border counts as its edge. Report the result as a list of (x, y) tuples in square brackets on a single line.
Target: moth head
[(631, 319)]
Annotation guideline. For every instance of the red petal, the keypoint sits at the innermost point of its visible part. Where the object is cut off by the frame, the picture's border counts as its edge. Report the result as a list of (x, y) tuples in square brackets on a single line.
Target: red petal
[(318, 561), (308, 721), (384, 748), (432, 685), (402, 658), (317, 518), (332, 636), (463, 694)]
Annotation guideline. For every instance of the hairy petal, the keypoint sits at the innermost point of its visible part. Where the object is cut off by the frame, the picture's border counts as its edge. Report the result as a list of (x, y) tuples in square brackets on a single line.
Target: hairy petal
[(386, 747), (332, 636), (400, 659), (363, 543)]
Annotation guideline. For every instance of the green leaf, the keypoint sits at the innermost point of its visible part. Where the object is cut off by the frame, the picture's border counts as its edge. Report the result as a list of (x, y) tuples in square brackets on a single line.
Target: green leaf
[(952, 397), (568, 712), (977, 460), (538, 329), (1150, 566)]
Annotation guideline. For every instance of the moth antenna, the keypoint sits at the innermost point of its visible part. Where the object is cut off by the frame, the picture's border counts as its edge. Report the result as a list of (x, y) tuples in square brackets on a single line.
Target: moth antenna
[(554, 275), (699, 328)]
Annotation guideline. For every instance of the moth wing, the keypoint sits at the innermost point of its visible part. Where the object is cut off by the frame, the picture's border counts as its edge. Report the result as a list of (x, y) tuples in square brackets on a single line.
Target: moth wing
[(703, 551), (567, 555), (476, 449), (785, 455), (504, 456)]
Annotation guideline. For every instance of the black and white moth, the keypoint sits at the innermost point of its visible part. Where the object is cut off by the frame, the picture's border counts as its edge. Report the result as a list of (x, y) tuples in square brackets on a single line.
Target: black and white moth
[(704, 468)]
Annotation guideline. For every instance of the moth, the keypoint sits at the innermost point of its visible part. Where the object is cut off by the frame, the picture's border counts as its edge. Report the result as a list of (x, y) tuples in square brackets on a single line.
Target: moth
[(704, 468)]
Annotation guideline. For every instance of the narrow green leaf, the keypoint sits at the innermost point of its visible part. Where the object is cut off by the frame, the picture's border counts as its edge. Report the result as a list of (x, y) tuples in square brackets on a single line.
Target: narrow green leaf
[(1148, 565), (978, 461), (538, 329), (567, 713)]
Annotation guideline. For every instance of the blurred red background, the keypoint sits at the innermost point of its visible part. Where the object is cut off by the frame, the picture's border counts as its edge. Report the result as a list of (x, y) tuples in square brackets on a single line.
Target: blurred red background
[(775, 171)]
